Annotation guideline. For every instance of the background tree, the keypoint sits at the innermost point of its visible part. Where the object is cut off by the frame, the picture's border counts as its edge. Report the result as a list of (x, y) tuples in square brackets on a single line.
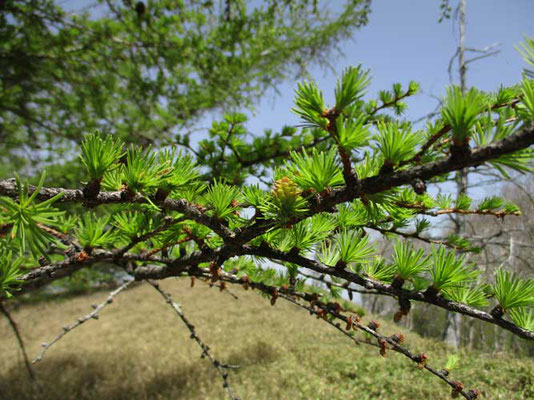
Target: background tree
[(147, 71)]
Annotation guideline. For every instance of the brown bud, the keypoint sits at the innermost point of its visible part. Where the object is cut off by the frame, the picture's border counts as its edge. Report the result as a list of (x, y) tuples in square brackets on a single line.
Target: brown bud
[(246, 281), (397, 337), (222, 286), (421, 360), (473, 394), (383, 346), (350, 323), (457, 389), (192, 281), (419, 186), (398, 316), (374, 325), (336, 307), (315, 298), (274, 296), (82, 256), (215, 271)]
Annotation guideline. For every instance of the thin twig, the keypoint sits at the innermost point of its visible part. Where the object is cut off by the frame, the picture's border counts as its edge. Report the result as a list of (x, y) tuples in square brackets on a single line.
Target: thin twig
[(339, 328), (221, 368), (221, 287), (16, 331), (93, 314), (328, 309)]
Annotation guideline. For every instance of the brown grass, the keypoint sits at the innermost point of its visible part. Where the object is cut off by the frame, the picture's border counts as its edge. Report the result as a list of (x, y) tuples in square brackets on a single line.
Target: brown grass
[(139, 349)]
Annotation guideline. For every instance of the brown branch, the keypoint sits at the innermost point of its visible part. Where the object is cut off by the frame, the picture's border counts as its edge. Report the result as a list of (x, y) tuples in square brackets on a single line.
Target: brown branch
[(326, 202), (221, 368), (402, 350), (348, 173), (311, 311), (415, 235), (392, 340), (426, 211), (331, 309), (192, 211), (445, 129), (385, 181), (93, 314), (344, 286), (391, 103), (371, 284)]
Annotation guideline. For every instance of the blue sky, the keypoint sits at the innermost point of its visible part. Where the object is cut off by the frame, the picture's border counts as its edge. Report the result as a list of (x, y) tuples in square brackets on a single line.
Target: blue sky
[(403, 41)]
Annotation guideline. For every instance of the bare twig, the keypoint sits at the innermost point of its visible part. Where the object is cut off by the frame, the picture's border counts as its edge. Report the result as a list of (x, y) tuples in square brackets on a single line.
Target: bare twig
[(221, 368), (334, 325), (221, 287), (16, 331), (325, 309), (93, 314)]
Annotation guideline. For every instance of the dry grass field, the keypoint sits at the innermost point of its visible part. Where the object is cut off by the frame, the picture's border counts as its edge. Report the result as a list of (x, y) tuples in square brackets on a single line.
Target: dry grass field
[(139, 349)]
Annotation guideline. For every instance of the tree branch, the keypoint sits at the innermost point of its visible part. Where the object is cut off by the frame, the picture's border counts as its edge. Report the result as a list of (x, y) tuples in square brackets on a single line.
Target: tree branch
[(93, 314), (221, 368), (16, 331)]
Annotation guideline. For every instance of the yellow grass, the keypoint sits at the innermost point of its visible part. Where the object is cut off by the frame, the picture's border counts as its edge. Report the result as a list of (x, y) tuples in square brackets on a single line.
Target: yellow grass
[(139, 349)]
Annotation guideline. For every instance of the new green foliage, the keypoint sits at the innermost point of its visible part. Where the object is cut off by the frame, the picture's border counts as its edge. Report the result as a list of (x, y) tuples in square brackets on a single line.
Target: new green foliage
[(93, 231), (352, 132), (70, 68), (379, 269), (100, 153), (527, 101), (26, 217), (183, 170), (511, 291), (523, 317), (318, 170), (351, 87), (9, 271), (526, 49), (408, 261), (449, 271), (461, 111), (354, 248), (311, 199), (475, 296), (142, 172), (223, 199), (397, 143), (309, 104)]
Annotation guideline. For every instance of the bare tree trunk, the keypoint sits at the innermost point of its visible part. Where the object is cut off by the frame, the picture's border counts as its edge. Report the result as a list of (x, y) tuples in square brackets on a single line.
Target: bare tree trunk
[(452, 331), (471, 335)]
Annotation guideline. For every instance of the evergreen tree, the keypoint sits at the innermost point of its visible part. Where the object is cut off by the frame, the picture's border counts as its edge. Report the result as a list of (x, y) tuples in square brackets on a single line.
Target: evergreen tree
[(146, 70)]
